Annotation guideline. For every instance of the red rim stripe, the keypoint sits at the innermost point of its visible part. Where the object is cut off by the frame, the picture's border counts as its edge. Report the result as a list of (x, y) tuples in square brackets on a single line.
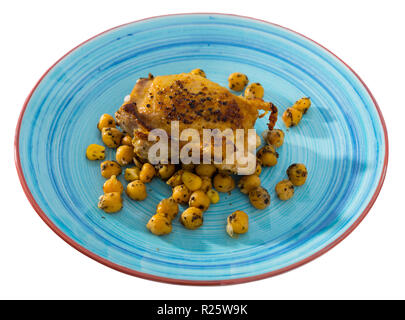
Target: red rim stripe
[(117, 267)]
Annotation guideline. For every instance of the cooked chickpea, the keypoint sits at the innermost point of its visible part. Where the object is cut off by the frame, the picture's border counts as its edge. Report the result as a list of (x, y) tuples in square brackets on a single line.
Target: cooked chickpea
[(111, 137), (198, 72), (284, 189), (192, 218), (248, 183), (191, 180), (275, 138), (200, 200), (165, 171), (132, 174), (267, 156), (205, 170), (124, 155), (181, 194), (238, 222), (302, 105), (188, 167), (95, 152), (109, 168), (126, 140), (136, 190), (223, 182), (113, 185), (291, 117), (110, 202), (297, 173), (147, 173), (254, 90), (237, 81), (259, 198), (137, 162), (213, 195), (206, 184), (175, 179), (106, 121), (169, 207), (159, 225)]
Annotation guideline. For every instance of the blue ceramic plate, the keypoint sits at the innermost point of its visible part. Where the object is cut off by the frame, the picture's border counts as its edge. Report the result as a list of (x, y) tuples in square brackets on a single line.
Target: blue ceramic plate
[(342, 140)]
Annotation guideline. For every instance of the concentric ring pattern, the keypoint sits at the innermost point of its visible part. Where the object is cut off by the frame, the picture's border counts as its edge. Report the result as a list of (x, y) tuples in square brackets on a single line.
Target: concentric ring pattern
[(341, 139)]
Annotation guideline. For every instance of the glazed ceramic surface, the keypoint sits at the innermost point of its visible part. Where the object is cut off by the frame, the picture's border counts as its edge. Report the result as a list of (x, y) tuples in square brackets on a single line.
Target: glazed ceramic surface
[(342, 140)]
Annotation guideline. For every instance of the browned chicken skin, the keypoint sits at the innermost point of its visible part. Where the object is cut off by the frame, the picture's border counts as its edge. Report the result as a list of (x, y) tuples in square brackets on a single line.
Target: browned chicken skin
[(194, 101)]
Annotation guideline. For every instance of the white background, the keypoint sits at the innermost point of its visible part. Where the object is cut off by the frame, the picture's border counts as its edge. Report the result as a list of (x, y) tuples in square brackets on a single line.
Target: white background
[(368, 35)]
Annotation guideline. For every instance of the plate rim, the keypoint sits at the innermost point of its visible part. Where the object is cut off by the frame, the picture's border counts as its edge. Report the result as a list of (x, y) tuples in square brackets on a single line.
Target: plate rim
[(147, 276)]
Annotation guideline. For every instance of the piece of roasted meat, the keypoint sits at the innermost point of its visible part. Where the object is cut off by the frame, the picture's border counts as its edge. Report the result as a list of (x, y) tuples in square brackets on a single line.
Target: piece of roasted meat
[(194, 101)]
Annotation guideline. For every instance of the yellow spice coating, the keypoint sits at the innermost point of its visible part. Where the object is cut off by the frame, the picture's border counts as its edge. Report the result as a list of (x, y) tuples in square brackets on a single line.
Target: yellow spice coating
[(205, 170), (168, 206), (284, 189), (159, 225), (111, 137), (223, 182), (248, 183), (191, 180), (275, 138), (165, 171), (259, 198), (175, 179), (267, 156), (109, 168), (147, 173), (200, 200), (213, 195), (237, 81), (297, 173), (113, 185), (237, 222), (124, 155), (136, 190), (132, 174), (126, 140), (291, 117), (110, 202), (106, 121), (302, 105), (181, 194), (192, 218), (254, 90), (95, 152)]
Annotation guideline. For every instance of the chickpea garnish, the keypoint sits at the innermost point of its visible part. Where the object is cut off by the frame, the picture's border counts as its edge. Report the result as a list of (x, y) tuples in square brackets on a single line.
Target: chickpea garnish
[(237, 81), (200, 200), (284, 189), (223, 182), (147, 173), (136, 190), (106, 121), (192, 218), (113, 185), (95, 152), (110, 202), (238, 223), (297, 173), (124, 155), (111, 137), (159, 225), (109, 168)]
